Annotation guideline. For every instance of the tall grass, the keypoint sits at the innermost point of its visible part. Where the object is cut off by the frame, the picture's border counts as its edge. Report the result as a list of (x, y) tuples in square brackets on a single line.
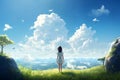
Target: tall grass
[(95, 73)]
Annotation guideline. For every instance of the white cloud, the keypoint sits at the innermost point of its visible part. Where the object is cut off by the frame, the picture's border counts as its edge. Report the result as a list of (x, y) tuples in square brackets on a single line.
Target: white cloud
[(49, 27), (81, 38), (101, 11), (49, 31), (83, 43), (71, 64), (81, 67), (51, 10), (95, 20), (7, 27)]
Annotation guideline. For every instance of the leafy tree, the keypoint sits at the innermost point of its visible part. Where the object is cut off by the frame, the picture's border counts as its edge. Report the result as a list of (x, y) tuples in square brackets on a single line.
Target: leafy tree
[(102, 60), (4, 40)]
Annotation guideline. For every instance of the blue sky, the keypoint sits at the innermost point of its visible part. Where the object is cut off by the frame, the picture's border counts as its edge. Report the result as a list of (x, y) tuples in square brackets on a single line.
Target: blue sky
[(18, 16)]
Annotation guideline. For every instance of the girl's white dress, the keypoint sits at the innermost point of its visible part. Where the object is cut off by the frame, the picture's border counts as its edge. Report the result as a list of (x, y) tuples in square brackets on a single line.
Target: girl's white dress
[(60, 57)]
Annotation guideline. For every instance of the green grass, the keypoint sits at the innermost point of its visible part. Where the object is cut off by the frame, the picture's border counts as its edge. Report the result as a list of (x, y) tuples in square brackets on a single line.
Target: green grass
[(94, 73), (4, 55)]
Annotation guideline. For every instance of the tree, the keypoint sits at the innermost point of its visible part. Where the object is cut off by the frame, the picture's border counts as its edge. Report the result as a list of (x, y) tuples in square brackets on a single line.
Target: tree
[(102, 60), (4, 40)]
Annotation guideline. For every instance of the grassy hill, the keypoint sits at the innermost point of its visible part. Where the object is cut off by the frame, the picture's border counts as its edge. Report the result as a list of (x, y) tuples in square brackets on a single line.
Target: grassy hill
[(94, 73)]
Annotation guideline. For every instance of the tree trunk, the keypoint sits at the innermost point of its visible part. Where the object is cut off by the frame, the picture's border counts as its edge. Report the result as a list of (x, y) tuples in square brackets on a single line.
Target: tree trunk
[(1, 49)]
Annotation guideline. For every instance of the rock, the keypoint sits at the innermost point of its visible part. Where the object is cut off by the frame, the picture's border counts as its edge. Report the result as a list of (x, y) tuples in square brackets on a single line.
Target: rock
[(112, 60), (9, 69)]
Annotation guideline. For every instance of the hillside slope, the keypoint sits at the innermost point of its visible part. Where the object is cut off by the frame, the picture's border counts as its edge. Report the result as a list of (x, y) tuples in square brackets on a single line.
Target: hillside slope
[(95, 73), (9, 69)]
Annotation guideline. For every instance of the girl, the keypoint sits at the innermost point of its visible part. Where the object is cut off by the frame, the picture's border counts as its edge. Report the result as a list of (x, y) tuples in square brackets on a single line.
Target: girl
[(60, 58)]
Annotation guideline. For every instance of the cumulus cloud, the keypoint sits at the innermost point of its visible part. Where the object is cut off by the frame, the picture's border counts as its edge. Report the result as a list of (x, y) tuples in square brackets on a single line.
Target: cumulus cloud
[(82, 38), (51, 10), (84, 44), (95, 20), (71, 64), (101, 11), (49, 31), (7, 27)]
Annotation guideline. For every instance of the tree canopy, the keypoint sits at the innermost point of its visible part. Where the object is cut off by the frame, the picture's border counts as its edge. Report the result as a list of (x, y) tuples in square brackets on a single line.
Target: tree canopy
[(4, 40), (102, 59)]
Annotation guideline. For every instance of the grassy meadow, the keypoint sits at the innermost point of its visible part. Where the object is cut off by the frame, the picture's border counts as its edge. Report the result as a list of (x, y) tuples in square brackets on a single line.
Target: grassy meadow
[(94, 73)]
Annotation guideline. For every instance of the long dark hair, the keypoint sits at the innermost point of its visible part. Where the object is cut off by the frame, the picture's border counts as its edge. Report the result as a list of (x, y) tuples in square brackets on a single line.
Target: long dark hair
[(59, 49)]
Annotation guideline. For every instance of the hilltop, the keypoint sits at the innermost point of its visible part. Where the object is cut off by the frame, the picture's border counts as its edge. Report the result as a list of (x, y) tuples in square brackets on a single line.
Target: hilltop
[(14, 72), (94, 73)]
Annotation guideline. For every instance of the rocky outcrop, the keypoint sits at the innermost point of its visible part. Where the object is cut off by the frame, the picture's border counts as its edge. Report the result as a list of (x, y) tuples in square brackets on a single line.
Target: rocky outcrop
[(112, 60), (9, 69)]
